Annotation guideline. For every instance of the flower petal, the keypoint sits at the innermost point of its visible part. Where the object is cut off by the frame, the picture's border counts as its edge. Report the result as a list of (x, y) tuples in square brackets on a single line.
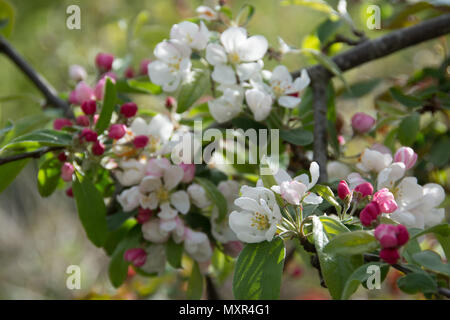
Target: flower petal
[(180, 200)]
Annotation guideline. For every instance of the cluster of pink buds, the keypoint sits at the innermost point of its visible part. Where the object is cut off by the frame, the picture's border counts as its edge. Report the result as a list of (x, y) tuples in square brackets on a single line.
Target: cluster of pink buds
[(391, 238), (382, 202), (361, 191)]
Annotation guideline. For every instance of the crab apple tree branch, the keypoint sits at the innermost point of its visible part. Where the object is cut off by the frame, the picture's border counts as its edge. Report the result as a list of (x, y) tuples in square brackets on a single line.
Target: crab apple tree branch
[(364, 52)]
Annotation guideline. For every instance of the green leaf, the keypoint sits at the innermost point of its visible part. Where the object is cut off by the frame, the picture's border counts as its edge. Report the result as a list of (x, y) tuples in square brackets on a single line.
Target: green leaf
[(408, 101), (9, 171), (216, 197), (137, 86), (359, 276), (245, 14), (7, 18), (174, 253), (440, 153), (350, 243), (109, 102), (360, 89), (40, 138), (432, 261), (195, 284), (116, 220), (116, 236), (91, 210), (258, 271), (442, 229), (48, 176), (417, 282), (408, 129), (336, 269), (319, 5), (445, 243), (298, 137), (326, 193), (327, 29), (192, 90), (23, 126), (118, 267)]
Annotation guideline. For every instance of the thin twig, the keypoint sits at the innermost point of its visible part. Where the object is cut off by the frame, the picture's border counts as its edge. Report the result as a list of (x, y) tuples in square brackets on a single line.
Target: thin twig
[(32, 154), (47, 90)]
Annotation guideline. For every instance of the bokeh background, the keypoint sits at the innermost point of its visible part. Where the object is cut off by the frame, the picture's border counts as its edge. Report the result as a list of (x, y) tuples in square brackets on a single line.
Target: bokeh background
[(40, 238)]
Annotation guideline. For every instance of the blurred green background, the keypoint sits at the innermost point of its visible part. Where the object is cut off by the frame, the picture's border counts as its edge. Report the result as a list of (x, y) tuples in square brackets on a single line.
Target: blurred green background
[(39, 237)]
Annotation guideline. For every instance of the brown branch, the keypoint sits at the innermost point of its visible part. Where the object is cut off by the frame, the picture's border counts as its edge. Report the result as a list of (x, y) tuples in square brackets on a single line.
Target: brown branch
[(362, 53), (32, 154), (47, 90)]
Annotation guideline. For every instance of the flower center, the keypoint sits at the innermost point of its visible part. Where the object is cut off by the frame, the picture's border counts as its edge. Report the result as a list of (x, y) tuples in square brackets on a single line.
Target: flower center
[(234, 57), (260, 221), (162, 194), (277, 89)]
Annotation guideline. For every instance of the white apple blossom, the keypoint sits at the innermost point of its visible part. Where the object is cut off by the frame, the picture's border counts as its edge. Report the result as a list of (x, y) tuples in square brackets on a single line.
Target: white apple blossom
[(373, 160), (131, 173), (337, 170), (283, 86), (191, 34), (296, 190), (257, 217), (228, 106), (158, 189), (259, 102), (390, 175), (172, 66), (354, 179), (285, 48), (417, 205), (205, 12), (198, 196), (129, 199), (238, 51), (197, 245)]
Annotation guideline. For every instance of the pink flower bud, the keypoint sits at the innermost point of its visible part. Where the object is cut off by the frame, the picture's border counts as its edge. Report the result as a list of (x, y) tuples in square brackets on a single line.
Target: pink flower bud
[(83, 121), (143, 215), (129, 73), (343, 190), (402, 235), (117, 131), (362, 122), (385, 200), (60, 123), (67, 171), (369, 214), (69, 192), (170, 102), (390, 255), (104, 61), (365, 189), (136, 256), (143, 69), (387, 235), (233, 248), (129, 109), (62, 157), (341, 140), (88, 135), (140, 141), (73, 97), (89, 106), (83, 93), (77, 73), (189, 172), (98, 148), (407, 156)]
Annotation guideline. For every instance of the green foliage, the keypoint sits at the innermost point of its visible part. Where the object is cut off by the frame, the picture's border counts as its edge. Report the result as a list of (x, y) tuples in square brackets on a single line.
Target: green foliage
[(432, 261), (6, 18), (351, 243), (91, 210), (336, 269), (174, 253), (109, 102), (417, 282), (9, 172), (258, 271), (298, 137), (48, 176), (215, 196), (326, 193), (195, 283), (192, 90), (408, 129), (359, 276), (38, 139)]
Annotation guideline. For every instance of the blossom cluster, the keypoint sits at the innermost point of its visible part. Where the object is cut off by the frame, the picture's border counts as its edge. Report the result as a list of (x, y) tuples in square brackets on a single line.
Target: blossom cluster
[(234, 60)]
